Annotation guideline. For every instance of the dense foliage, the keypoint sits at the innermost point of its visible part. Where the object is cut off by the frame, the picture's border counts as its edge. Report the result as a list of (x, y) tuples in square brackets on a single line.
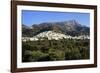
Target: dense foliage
[(55, 50)]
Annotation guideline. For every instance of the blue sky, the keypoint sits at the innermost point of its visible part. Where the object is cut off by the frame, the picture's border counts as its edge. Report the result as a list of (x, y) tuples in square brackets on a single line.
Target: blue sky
[(30, 17)]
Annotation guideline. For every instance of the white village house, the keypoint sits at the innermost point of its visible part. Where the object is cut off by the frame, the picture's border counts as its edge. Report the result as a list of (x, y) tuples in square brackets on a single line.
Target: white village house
[(53, 35)]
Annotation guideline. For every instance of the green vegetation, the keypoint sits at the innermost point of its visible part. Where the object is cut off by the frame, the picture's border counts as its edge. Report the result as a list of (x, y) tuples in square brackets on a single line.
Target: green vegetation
[(55, 50)]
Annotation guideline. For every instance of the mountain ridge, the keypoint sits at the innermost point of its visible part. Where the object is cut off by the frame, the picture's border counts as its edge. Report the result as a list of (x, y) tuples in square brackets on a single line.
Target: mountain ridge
[(71, 27)]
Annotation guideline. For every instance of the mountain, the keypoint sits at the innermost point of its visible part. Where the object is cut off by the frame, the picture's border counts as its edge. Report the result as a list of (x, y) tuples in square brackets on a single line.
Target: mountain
[(71, 27)]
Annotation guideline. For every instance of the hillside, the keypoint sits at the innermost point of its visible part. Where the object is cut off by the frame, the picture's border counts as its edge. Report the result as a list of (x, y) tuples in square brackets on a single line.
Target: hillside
[(55, 41), (71, 27)]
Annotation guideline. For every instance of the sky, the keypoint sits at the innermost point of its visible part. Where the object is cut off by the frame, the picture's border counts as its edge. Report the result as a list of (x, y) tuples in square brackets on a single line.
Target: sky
[(31, 17)]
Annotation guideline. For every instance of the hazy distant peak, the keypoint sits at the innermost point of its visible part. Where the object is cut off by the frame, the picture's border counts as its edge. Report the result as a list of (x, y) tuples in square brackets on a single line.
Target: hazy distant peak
[(25, 26), (73, 22)]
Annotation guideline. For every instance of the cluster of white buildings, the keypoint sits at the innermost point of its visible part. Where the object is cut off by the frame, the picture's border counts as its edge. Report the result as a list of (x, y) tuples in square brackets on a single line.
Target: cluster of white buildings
[(53, 35)]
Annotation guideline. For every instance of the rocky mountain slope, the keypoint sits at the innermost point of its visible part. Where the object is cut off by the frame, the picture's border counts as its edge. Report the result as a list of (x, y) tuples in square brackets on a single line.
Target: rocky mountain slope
[(71, 28)]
